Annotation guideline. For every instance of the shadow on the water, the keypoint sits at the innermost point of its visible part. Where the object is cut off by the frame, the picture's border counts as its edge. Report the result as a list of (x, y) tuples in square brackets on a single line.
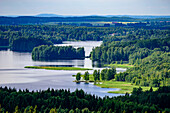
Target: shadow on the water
[(98, 64)]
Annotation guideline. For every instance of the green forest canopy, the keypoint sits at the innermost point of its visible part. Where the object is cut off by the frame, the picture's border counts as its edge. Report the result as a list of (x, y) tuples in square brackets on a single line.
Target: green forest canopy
[(45, 52), (64, 101)]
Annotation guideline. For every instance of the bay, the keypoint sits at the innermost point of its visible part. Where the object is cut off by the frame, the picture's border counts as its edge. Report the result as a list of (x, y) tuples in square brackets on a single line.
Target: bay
[(13, 73)]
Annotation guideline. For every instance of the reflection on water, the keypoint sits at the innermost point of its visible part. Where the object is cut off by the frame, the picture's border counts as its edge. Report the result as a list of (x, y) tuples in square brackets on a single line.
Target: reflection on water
[(13, 73), (88, 45)]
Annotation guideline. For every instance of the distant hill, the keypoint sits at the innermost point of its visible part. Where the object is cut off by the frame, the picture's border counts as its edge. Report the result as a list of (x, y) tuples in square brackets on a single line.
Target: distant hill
[(130, 16), (48, 15), (143, 16), (40, 20), (45, 18)]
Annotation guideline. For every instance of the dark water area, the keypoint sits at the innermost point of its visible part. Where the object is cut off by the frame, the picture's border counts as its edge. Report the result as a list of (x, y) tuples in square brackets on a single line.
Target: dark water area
[(13, 73)]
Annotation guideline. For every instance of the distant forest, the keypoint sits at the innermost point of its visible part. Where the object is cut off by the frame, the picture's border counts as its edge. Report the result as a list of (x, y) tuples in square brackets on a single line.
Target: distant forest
[(40, 20), (15, 36)]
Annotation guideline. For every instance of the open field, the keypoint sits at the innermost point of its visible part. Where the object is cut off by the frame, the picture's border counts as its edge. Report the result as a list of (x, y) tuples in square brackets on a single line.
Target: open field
[(57, 68), (123, 86), (120, 65)]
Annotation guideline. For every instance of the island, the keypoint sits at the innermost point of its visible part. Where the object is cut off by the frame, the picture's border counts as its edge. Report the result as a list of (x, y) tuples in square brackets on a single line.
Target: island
[(45, 52)]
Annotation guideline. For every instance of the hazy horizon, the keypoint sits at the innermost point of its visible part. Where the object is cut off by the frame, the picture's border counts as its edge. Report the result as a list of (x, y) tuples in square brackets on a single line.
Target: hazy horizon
[(85, 7)]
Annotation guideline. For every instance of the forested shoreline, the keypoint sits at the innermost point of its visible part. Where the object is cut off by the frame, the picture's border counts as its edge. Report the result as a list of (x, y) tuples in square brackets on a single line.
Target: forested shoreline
[(64, 101), (150, 58), (14, 35), (45, 52), (148, 50)]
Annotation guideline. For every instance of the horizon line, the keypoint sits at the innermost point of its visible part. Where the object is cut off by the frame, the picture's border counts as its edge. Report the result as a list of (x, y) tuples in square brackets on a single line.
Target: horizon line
[(88, 14)]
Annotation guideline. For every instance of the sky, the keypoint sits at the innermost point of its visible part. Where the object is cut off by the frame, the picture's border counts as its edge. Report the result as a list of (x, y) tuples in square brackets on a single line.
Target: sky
[(85, 7)]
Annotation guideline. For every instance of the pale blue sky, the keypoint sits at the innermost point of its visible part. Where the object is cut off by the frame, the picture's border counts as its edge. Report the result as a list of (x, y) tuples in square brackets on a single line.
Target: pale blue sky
[(85, 7)]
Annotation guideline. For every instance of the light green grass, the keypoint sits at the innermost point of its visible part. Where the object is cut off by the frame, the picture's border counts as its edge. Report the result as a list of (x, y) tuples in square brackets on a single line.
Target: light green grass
[(120, 65), (57, 68), (124, 87)]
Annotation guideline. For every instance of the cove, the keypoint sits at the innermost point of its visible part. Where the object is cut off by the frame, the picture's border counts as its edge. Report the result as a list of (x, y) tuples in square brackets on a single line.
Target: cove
[(13, 73)]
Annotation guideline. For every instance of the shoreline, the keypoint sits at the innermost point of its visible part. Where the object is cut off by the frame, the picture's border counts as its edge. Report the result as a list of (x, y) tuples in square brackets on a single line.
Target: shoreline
[(59, 68), (120, 65), (125, 87)]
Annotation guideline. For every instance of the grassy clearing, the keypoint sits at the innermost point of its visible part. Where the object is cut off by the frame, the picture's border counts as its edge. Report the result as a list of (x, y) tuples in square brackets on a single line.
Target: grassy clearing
[(123, 86), (57, 68), (120, 65)]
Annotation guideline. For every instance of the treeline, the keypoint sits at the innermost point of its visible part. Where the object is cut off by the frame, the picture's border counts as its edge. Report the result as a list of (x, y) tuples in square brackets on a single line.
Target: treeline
[(40, 20), (56, 33), (45, 52), (129, 51), (150, 57), (130, 34), (64, 101), (27, 44), (105, 74)]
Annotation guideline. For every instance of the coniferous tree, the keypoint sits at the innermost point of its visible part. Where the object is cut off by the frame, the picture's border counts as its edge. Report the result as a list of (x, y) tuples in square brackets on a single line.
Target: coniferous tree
[(78, 76), (86, 76)]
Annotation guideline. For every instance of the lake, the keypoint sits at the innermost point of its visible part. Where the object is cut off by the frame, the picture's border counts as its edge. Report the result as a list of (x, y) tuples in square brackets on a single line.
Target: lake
[(13, 73)]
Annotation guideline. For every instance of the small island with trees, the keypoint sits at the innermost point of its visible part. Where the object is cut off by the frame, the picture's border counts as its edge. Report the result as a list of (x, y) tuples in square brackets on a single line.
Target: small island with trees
[(45, 52)]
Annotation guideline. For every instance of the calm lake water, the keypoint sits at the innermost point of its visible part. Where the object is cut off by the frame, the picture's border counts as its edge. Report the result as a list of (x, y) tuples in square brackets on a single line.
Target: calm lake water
[(13, 73)]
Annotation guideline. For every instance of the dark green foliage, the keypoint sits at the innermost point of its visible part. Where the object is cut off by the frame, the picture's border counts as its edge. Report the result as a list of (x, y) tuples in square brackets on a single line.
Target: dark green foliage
[(150, 57), (95, 75), (98, 75), (151, 71), (4, 42), (25, 37), (102, 74), (57, 34), (27, 44), (78, 76), (45, 52), (40, 20), (129, 51), (110, 74), (86, 76), (121, 76), (64, 101)]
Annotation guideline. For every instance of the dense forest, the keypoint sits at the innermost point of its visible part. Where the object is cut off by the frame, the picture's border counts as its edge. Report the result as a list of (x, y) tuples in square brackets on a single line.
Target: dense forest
[(41, 20), (27, 44), (150, 58), (153, 70), (45, 52), (130, 50), (64, 101), (15, 36), (10, 35)]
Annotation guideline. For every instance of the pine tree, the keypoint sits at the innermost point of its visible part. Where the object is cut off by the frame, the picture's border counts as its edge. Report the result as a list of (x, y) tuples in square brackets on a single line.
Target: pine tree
[(78, 76)]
